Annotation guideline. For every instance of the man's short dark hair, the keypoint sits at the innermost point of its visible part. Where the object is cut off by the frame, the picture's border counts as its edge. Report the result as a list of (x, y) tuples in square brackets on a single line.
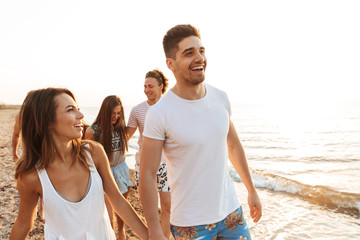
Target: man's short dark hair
[(176, 35)]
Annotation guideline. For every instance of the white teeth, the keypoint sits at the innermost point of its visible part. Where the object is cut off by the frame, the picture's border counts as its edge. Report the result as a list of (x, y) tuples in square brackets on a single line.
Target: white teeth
[(78, 125), (197, 68)]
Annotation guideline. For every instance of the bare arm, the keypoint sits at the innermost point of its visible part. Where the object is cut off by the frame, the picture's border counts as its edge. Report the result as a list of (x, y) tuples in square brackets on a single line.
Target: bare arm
[(129, 132), (149, 165), (27, 188), (238, 159), (16, 138), (118, 202)]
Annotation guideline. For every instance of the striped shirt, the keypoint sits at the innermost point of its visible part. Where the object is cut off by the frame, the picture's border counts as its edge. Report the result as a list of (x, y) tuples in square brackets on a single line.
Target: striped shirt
[(137, 120)]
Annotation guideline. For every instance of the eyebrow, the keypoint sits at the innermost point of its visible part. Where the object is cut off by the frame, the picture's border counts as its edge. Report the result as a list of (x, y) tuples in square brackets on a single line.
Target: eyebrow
[(192, 48), (188, 49), (69, 106)]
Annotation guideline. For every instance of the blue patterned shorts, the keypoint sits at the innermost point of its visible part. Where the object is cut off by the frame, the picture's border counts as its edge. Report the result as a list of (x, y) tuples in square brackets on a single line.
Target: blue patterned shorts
[(232, 227)]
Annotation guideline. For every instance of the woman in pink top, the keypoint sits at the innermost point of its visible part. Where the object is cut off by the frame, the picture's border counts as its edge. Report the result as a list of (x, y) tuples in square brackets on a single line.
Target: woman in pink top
[(154, 87), (69, 174)]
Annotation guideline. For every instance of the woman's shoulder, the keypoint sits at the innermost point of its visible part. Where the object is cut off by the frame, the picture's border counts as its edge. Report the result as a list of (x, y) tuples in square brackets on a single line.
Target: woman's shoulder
[(95, 149), (140, 107), (30, 180), (91, 145)]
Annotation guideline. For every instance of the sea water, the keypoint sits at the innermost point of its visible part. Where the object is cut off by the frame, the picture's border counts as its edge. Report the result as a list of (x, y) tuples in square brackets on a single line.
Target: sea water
[(305, 163)]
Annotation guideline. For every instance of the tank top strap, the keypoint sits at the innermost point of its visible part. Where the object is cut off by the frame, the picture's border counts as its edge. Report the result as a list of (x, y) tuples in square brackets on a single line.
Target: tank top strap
[(89, 160)]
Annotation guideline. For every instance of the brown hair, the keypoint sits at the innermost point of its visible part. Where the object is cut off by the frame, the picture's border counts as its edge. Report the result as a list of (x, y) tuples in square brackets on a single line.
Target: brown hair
[(160, 78), (103, 123), (37, 113), (176, 35)]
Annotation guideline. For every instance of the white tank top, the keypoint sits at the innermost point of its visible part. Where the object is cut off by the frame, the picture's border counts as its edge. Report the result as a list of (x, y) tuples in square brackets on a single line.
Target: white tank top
[(86, 219)]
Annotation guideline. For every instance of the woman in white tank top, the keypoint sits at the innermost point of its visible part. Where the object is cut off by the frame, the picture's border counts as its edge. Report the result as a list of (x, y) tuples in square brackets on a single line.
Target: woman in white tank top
[(71, 175)]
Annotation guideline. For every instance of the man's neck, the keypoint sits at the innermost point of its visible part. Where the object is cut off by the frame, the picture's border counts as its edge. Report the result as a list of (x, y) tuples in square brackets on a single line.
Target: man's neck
[(189, 92), (152, 102)]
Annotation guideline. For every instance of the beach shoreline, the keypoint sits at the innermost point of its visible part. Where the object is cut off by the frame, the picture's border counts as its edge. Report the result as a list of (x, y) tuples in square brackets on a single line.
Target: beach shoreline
[(9, 198)]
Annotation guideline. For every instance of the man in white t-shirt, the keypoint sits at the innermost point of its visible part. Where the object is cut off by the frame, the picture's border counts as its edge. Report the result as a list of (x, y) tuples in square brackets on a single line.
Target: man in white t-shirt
[(192, 124)]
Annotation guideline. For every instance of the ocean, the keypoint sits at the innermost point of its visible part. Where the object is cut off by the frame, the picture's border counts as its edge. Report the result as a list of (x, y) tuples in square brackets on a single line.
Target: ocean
[(305, 163)]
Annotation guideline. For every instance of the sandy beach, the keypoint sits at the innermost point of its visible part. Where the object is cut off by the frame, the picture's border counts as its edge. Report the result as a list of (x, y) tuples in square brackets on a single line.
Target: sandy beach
[(9, 199)]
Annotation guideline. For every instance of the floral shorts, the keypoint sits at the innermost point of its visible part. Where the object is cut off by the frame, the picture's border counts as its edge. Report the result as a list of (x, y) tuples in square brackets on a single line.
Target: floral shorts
[(232, 227), (162, 179)]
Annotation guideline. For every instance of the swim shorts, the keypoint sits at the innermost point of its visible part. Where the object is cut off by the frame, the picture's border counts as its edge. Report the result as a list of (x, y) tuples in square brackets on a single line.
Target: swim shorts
[(232, 227), (162, 180)]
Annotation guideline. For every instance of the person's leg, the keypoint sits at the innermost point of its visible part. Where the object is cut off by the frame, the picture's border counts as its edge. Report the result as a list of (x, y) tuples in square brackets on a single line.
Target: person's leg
[(234, 227), (121, 224), (165, 203), (122, 178)]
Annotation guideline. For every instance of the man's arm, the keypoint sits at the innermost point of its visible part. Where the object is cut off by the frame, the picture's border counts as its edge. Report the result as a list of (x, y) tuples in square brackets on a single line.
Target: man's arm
[(149, 165), (238, 159), (16, 138)]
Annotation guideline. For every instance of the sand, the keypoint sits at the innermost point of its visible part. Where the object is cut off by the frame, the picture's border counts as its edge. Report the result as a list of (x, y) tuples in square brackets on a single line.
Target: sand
[(9, 198)]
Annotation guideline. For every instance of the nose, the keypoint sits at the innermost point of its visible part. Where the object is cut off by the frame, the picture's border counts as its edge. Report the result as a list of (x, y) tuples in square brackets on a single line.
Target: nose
[(200, 57), (80, 115)]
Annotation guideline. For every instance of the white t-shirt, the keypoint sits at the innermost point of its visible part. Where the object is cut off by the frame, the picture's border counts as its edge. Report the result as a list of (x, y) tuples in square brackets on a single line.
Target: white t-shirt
[(195, 146), (137, 120)]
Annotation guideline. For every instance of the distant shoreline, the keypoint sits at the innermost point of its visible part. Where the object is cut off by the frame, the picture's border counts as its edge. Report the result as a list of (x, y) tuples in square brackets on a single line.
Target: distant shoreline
[(6, 106)]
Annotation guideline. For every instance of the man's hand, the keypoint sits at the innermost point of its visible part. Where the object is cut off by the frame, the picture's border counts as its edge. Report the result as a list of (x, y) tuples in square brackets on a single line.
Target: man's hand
[(255, 206)]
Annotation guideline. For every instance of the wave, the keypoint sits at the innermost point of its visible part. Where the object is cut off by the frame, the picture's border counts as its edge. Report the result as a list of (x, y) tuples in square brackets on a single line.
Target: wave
[(344, 202)]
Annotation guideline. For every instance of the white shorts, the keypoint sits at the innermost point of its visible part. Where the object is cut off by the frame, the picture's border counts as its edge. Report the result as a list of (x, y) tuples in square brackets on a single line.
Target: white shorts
[(162, 180)]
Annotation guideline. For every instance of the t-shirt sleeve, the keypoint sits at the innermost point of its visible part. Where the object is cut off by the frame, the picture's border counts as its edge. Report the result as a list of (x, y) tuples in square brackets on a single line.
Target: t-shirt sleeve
[(227, 104), (133, 123), (154, 125)]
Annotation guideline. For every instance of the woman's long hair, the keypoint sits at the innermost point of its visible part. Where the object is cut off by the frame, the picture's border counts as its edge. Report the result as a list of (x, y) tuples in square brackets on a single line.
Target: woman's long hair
[(103, 122), (37, 113)]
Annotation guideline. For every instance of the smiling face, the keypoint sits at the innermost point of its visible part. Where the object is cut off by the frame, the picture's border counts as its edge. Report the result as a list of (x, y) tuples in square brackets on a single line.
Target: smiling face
[(190, 62), (116, 114), (152, 89), (68, 121)]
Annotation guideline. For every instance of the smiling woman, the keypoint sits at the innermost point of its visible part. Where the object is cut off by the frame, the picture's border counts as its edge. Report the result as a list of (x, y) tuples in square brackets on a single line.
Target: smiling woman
[(66, 172), (68, 118)]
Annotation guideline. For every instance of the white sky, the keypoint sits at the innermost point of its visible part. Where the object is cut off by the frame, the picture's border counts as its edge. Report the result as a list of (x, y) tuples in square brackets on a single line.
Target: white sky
[(261, 51)]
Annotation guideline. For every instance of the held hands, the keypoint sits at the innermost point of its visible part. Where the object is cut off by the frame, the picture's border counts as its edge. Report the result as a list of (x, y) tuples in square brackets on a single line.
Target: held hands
[(255, 206), (157, 236)]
